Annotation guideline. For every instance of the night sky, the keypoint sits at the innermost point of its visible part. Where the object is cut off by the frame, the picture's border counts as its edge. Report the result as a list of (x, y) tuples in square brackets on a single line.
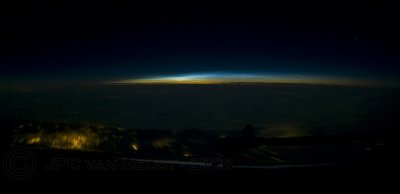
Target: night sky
[(112, 41)]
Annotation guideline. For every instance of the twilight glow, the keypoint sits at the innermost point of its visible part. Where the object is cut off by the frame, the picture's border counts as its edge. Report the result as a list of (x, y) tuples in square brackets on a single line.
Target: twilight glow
[(226, 78)]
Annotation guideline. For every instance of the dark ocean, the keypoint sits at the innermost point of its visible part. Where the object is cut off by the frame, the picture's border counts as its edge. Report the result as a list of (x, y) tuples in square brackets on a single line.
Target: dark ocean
[(273, 109)]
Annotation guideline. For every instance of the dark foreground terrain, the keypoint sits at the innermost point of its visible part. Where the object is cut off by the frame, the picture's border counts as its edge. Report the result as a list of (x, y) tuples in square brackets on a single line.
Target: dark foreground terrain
[(37, 151)]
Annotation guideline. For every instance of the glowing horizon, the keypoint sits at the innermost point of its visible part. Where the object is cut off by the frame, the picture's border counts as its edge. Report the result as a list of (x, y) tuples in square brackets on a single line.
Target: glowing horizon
[(226, 78)]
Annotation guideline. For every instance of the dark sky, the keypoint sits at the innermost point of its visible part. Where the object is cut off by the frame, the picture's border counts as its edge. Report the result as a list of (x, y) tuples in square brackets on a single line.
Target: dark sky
[(111, 40)]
